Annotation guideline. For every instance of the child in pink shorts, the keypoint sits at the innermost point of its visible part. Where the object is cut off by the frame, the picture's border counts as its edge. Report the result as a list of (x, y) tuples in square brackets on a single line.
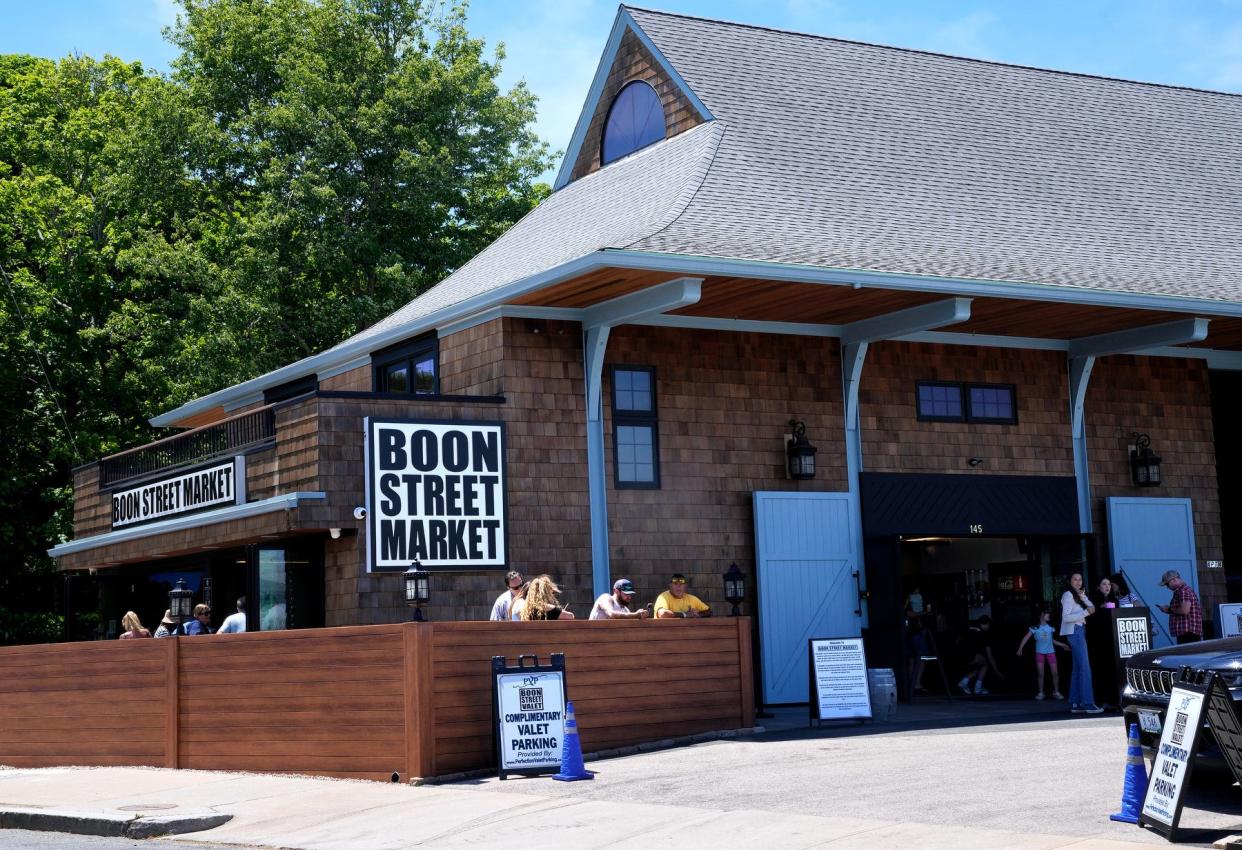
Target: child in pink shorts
[(1045, 654)]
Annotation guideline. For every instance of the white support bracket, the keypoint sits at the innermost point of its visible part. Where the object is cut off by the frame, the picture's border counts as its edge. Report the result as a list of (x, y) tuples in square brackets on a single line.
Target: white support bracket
[(1082, 355), (1079, 377), (597, 323), (1138, 340), (855, 340)]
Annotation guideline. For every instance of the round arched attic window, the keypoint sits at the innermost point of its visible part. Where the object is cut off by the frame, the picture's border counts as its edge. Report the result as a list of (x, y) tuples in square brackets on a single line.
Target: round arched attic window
[(635, 120)]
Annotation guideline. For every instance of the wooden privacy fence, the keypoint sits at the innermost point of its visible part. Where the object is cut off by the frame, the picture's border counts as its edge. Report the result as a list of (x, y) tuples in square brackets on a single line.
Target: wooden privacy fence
[(362, 701)]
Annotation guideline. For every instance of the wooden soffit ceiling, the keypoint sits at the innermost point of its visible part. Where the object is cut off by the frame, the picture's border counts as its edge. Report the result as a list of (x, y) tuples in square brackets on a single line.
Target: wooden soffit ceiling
[(752, 299)]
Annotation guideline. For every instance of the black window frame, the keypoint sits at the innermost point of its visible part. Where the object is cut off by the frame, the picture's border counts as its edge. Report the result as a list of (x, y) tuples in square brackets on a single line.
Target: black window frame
[(622, 418), (1012, 389), (408, 353), (967, 415), (918, 406)]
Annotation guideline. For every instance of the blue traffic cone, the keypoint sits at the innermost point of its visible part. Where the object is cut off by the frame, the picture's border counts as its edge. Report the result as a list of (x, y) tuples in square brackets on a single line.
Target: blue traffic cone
[(1136, 781), (572, 768)]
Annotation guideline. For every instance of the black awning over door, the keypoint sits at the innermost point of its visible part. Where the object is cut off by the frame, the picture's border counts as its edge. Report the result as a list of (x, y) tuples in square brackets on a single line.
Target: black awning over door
[(898, 503)]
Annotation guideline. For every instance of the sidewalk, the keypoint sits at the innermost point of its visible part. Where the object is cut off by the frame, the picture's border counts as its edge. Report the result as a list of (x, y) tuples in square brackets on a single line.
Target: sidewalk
[(325, 814)]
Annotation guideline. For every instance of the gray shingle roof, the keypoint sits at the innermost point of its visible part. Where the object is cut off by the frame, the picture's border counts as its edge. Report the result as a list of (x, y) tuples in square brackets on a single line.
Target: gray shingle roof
[(857, 156), (850, 155), (612, 208), (837, 154)]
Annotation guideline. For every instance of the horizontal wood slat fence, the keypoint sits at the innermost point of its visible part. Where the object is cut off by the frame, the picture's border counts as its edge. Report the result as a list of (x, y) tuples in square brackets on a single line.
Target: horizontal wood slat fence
[(362, 701)]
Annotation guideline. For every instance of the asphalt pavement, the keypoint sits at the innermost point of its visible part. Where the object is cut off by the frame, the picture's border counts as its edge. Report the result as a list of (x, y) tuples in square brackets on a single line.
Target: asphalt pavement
[(1033, 780)]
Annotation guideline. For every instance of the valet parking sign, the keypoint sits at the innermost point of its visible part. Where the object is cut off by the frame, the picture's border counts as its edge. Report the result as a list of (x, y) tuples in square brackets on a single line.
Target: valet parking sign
[(531, 713), (436, 494)]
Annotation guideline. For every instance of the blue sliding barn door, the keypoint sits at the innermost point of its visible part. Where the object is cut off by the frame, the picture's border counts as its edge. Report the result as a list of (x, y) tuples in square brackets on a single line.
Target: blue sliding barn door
[(806, 557), (1147, 537)]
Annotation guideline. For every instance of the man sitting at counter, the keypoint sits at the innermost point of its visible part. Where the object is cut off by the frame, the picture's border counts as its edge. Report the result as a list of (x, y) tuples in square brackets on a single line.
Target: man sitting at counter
[(616, 605), (676, 602)]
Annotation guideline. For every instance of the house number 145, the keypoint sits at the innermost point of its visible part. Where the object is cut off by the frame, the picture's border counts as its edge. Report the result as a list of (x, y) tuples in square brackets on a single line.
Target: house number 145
[(976, 528)]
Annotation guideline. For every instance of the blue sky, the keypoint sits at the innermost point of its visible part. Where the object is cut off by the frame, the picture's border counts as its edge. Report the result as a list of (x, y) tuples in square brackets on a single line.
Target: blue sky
[(555, 44)]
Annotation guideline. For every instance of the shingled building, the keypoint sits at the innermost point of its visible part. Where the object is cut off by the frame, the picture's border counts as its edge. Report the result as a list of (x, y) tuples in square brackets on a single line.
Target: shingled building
[(1002, 304)]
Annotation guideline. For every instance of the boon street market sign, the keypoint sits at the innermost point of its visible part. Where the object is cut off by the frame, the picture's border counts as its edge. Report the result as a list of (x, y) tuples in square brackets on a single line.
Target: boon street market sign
[(192, 491), (436, 494)]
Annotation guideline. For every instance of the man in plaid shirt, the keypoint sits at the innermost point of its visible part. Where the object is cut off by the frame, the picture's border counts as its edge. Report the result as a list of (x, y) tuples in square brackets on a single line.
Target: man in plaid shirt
[(1185, 612)]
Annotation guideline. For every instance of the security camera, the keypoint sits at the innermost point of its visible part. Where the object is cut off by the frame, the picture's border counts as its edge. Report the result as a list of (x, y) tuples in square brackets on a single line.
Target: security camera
[(360, 512)]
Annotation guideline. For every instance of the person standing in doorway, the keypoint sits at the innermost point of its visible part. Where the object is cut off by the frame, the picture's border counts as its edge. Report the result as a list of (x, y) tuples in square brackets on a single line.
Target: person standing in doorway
[(1045, 655), (235, 623), (1075, 608), (977, 643), (513, 586), (1185, 612)]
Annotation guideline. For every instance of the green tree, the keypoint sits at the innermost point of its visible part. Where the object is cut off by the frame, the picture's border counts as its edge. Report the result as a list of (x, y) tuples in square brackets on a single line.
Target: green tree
[(308, 167), (355, 152)]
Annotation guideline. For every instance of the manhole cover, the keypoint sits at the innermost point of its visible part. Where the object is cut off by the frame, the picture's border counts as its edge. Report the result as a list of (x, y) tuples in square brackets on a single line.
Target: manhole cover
[(147, 807)]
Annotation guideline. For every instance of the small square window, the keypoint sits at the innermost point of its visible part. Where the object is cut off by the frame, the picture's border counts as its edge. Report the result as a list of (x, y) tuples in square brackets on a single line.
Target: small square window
[(635, 454), (940, 402), (408, 368), (632, 388), (992, 403)]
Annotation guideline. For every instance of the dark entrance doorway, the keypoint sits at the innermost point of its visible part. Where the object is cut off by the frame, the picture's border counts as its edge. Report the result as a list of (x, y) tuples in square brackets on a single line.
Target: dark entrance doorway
[(282, 582), (959, 547)]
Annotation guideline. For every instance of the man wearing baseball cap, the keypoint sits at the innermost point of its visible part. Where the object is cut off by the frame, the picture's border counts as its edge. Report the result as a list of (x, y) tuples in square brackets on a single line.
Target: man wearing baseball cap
[(1185, 612), (616, 605), (676, 602)]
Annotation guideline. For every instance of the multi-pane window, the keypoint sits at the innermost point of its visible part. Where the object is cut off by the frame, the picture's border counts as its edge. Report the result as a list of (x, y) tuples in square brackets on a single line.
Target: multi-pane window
[(946, 401), (940, 402), (635, 437), (991, 404), (407, 368)]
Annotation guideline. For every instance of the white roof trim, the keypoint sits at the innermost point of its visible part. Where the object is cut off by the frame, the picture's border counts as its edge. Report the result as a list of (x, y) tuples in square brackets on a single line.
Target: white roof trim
[(622, 22), (285, 501)]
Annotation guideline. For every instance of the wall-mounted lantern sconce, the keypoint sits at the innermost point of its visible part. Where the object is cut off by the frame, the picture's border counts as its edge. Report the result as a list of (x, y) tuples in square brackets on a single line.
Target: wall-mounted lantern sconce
[(417, 590), (801, 453), (1144, 463), (734, 588)]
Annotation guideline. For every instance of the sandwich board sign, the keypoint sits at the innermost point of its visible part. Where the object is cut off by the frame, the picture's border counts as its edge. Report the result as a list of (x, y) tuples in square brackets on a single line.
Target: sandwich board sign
[(838, 679), (1170, 772), (528, 710), (1226, 725)]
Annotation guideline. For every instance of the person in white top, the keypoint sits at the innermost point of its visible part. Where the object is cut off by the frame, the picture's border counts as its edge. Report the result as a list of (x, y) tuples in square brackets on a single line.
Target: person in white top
[(615, 605), (235, 622), (1075, 608), (513, 585)]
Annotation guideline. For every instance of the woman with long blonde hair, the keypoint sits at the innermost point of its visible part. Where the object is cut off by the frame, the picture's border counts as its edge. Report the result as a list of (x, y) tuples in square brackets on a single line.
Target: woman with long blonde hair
[(133, 627), (541, 602)]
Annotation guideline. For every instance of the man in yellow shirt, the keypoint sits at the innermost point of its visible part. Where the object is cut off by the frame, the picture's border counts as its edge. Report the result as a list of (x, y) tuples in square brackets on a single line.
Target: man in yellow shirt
[(675, 602)]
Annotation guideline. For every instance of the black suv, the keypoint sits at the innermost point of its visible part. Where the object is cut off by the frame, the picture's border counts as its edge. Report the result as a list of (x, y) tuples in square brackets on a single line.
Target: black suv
[(1150, 677)]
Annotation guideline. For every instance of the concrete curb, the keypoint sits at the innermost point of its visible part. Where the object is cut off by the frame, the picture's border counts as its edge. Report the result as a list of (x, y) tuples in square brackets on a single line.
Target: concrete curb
[(107, 824), (618, 752)]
